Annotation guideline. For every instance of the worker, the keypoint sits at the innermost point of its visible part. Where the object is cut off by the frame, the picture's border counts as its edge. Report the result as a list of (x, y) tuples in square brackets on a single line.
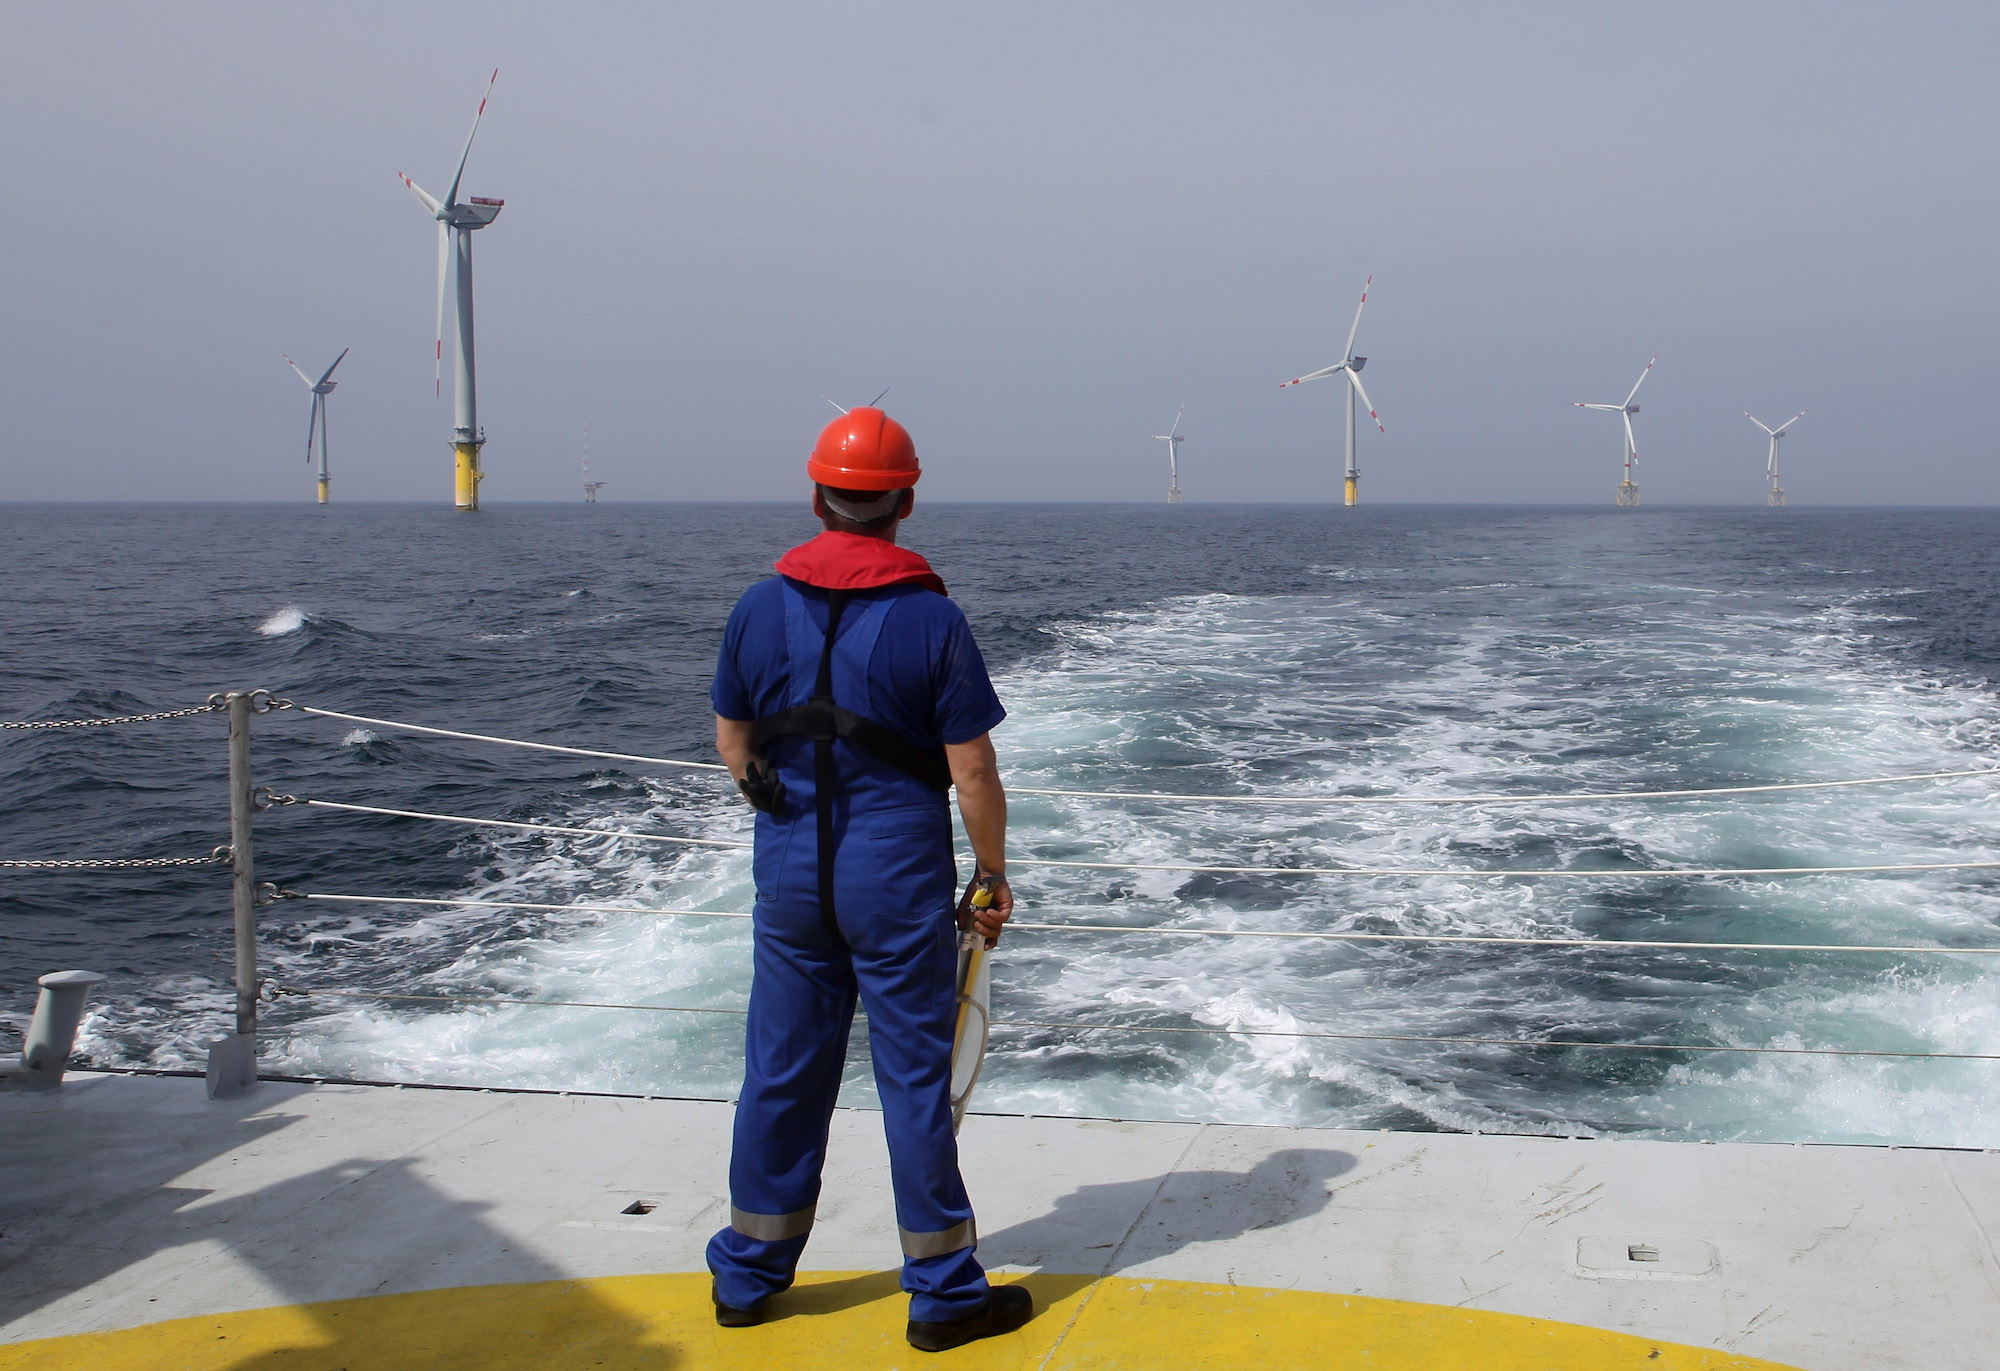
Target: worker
[(849, 698)]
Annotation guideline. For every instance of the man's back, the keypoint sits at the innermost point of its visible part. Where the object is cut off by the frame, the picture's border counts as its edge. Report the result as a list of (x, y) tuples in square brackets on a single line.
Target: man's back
[(926, 678)]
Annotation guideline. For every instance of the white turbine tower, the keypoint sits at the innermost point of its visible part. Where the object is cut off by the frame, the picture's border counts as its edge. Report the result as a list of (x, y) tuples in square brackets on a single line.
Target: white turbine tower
[(1776, 495), (321, 388), (1173, 439), (457, 220), (1628, 490), (1349, 366)]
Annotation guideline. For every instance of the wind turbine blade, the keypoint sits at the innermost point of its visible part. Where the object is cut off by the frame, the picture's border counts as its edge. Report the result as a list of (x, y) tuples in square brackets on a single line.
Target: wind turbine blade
[(1788, 423), (836, 404), (878, 399), (1354, 379), (1758, 422), (451, 196), (1631, 443), (1349, 352), (444, 256), (312, 425), (1585, 404), (336, 362), (1314, 375), (430, 201), (295, 368), (1642, 378), (1177, 421)]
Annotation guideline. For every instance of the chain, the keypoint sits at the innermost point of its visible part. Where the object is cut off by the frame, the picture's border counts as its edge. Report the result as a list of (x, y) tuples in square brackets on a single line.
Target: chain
[(214, 704), (222, 856)]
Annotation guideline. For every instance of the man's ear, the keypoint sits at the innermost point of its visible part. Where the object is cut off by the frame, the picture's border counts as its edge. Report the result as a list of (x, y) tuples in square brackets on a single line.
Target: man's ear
[(909, 503), (819, 505)]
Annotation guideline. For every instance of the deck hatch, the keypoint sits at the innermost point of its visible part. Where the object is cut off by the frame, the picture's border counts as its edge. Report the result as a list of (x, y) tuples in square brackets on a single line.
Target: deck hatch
[(1622, 1258)]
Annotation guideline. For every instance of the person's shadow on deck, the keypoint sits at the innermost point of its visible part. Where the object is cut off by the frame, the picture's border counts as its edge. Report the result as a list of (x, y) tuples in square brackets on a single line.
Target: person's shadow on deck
[(1105, 1229)]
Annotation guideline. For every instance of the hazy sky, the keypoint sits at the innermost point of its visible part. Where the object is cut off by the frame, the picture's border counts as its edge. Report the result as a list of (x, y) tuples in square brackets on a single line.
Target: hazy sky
[(1045, 225)]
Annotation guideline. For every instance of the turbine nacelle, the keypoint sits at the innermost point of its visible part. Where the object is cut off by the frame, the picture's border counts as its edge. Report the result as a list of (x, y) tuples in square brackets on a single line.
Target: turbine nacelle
[(1356, 363), (475, 213)]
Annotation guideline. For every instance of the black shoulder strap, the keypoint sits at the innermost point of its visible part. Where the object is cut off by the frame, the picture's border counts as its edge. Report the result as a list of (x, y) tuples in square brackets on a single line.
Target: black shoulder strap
[(824, 771), (821, 720)]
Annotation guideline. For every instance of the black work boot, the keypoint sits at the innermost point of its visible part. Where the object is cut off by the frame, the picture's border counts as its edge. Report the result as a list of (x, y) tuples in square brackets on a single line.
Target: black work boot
[(731, 1317), (1007, 1307)]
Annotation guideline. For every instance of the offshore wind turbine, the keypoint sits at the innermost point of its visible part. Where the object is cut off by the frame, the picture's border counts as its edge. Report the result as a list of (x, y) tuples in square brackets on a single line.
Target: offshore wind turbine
[(1628, 489), (457, 220), (1173, 439), (870, 405), (590, 487), (1776, 495), (321, 388), (1349, 366)]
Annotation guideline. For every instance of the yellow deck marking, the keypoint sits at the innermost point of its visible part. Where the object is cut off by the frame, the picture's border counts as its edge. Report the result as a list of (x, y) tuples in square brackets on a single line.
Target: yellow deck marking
[(835, 1321)]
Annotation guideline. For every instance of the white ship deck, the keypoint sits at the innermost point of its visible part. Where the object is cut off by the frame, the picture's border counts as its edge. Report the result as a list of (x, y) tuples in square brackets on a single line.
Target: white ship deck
[(313, 1227)]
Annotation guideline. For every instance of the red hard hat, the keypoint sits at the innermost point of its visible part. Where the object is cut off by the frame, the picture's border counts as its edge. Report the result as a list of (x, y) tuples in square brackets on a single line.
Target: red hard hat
[(864, 449)]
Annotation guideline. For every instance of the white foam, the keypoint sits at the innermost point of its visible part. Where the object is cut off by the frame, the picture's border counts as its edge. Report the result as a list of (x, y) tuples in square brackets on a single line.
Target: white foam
[(290, 619), (1351, 688), (360, 737)]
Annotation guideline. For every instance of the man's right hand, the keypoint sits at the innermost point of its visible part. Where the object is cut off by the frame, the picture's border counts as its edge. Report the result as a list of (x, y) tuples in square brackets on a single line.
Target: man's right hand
[(987, 921)]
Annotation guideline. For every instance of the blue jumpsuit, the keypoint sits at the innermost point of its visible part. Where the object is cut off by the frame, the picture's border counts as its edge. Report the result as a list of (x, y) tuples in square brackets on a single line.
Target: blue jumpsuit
[(905, 658)]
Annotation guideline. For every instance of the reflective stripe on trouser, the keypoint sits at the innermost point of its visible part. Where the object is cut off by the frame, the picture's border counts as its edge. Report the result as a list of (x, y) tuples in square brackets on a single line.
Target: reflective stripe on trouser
[(774, 1227), (802, 1002), (942, 1244)]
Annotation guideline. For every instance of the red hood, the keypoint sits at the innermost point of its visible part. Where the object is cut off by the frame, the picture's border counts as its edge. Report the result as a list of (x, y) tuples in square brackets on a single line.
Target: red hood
[(851, 561)]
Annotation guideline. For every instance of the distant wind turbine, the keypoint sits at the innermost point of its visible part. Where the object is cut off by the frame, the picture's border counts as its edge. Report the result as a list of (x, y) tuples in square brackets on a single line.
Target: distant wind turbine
[(1173, 439), (321, 388), (590, 487), (457, 220), (1628, 490), (1349, 366), (870, 405), (1776, 495)]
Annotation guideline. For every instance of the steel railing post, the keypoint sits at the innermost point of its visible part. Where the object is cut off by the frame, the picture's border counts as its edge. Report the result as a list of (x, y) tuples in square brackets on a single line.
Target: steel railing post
[(244, 888), (232, 1061)]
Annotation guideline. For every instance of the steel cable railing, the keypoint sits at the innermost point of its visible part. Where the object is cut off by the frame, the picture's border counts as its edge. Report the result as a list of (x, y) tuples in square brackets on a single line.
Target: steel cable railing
[(243, 704), (1171, 797), (303, 992), (1462, 873), (1341, 935)]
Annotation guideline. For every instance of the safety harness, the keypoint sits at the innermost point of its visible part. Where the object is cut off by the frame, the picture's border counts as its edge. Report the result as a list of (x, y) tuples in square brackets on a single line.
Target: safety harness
[(823, 720)]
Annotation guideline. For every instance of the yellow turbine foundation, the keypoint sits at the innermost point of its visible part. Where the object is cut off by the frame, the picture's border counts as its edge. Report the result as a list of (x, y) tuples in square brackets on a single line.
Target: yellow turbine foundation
[(467, 476), (322, 490), (1353, 491)]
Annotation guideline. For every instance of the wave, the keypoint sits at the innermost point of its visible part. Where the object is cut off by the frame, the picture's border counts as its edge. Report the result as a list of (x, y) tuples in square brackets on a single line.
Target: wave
[(289, 619)]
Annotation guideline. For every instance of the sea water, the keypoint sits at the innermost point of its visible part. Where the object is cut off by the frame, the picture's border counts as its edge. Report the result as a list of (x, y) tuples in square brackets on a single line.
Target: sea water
[(1218, 651)]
